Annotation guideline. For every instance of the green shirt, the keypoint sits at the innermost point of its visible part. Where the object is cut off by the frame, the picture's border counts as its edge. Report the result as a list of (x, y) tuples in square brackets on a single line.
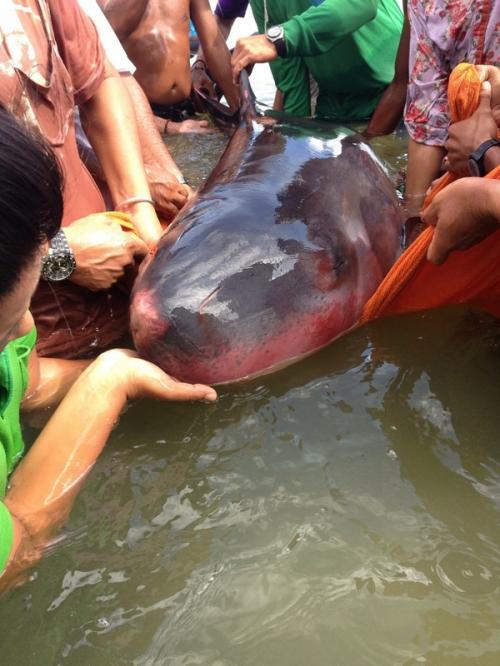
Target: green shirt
[(348, 46), (13, 384)]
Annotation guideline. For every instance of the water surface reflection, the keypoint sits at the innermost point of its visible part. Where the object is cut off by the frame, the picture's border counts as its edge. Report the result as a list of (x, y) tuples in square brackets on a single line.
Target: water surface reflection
[(342, 511)]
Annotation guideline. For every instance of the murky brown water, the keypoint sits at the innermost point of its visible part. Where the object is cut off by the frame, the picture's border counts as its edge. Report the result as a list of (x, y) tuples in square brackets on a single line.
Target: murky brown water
[(344, 511)]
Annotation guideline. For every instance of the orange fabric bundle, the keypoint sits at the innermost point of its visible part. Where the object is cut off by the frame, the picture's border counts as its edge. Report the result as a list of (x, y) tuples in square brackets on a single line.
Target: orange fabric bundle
[(470, 276)]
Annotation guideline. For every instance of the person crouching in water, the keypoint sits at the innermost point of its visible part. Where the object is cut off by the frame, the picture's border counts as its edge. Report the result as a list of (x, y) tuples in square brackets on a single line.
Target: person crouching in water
[(37, 496)]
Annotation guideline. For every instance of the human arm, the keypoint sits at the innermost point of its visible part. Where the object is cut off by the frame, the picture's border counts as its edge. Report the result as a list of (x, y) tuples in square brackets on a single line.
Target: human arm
[(215, 49), (466, 136), (390, 109), (315, 31), (225, 25), (103, 250), (109, 122), (424, 165), (463, 214), (199, 73), (165, 179), (164, 176), (106, 112), (225, 15), (48, 478), (226, 12), (427, 109), (50, 379), (322, 26), (188, 126)]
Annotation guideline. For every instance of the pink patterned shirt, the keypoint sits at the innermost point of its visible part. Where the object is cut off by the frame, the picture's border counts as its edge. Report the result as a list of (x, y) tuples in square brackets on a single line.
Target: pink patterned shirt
[(445, 33)]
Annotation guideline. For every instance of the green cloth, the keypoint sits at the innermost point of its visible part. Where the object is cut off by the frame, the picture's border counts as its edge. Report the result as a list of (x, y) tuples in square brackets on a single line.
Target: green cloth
[(13, 384), (349, 47)]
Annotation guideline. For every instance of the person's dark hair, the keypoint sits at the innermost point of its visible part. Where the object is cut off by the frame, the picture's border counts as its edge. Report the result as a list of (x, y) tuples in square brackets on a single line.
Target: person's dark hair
[(31, 201)]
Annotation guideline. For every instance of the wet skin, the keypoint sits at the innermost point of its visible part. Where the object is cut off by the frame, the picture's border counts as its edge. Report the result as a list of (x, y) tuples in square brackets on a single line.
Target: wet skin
[(155, 34), (274, 259)]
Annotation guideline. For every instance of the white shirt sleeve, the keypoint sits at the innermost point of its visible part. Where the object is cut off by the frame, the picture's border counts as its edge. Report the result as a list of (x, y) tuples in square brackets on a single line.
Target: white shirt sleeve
[(115, 52)]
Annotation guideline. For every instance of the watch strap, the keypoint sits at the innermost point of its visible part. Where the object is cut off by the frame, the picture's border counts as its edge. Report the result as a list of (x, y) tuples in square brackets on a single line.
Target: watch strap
[(478, 155), (59, 244), (277, 39)]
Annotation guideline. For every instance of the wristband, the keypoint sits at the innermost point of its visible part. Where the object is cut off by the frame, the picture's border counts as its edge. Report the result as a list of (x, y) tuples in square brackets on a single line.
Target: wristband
[(134, 200), (476, 159)]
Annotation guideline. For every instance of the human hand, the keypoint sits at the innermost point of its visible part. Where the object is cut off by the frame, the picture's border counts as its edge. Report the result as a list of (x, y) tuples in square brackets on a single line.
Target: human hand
[(167, 193), (491, 73), (102, 251), (200, 80), (142, 379), (467, 135), (249, 50), (463, 214), (190, 127)]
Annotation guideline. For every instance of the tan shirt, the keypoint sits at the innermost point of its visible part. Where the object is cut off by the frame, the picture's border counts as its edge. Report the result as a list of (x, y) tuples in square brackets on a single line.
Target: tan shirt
[(50, 60)]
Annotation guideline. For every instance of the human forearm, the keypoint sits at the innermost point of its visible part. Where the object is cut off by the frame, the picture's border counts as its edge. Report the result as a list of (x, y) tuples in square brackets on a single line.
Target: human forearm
[(216, 53), (219, 66), (110, 124), (389, 111), (73, 438), (55, 378), (224, 26), (424, 164), (321, 27), (48, 477), (45, 483), (154, 150), (391, 106)]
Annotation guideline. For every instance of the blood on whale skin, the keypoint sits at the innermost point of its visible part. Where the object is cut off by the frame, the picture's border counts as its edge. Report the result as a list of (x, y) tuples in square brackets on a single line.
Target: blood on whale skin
[(145, 324), (275, 258)]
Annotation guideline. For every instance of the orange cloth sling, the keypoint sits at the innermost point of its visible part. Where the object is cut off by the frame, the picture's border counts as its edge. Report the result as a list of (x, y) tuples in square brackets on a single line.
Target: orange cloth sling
[(470, 276)]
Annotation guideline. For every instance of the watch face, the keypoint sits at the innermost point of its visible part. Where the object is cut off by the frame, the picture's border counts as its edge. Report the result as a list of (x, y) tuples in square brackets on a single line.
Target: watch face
[(57, 266), (274, 32)]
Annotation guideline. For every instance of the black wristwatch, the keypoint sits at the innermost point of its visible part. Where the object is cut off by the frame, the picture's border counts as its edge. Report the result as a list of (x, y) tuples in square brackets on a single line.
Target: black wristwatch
[(276, 35), (59, 262), (476, 159)]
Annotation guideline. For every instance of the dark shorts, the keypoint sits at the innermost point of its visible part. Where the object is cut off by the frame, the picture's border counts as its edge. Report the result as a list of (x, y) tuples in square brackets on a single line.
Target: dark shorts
[(176, 112)]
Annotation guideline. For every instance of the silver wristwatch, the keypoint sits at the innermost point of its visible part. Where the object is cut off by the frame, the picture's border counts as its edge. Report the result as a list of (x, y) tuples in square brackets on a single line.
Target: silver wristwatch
[(59, 262), (276, 35)]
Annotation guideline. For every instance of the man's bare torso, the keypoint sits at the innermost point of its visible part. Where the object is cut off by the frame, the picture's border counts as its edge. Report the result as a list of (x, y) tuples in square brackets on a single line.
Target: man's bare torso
[(155, 35)]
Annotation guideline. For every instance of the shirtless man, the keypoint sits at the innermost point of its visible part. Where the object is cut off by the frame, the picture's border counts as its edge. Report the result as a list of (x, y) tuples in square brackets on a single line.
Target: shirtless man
[(155, 34)]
